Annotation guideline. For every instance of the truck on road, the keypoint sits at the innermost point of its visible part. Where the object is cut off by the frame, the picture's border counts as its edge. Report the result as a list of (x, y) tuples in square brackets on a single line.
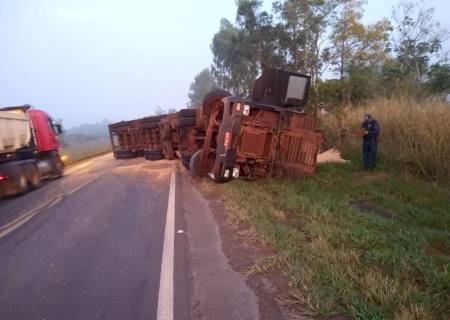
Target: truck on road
[(263, 135), (154, 137), (29, 149), (228, 136)]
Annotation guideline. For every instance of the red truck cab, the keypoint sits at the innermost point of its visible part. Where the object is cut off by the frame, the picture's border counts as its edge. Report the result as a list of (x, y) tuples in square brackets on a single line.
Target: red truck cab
[(28, 153), (44, 131)]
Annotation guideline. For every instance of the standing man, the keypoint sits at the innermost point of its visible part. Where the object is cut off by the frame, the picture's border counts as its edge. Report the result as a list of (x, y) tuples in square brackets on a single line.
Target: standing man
[(370, 141)]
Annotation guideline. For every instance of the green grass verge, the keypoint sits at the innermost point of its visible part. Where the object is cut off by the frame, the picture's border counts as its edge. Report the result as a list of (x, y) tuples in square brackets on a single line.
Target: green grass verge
[(76, 152), (339, 260)]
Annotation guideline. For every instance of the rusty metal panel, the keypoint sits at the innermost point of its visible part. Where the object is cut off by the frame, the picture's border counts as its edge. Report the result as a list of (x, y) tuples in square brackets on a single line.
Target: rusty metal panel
[(263, 118), (297, 121), (298, 152), (256, 143)]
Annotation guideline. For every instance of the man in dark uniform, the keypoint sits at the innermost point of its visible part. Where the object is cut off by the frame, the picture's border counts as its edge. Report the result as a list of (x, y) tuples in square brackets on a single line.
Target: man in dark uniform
[(370, 141)]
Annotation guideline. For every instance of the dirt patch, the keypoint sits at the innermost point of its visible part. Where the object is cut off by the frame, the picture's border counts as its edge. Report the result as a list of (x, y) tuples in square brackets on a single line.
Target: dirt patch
[(368, 207), (438, 249), (244, 251)]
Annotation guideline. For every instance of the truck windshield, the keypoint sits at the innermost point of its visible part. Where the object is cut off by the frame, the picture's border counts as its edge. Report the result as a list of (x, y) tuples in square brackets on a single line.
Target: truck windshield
[(55, 127)]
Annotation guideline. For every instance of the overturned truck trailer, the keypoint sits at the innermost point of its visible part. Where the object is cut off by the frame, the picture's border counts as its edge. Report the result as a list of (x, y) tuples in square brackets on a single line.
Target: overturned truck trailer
[(155, 137), (229, 137), (260, 136)]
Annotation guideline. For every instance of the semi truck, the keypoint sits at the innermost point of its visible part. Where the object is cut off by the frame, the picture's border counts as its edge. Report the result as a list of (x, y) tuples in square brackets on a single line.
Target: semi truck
[(264, 135), (229, 136), (29, 149)]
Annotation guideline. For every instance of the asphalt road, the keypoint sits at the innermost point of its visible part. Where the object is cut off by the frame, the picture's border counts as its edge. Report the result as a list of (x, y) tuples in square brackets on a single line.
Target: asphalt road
[(92, 247)]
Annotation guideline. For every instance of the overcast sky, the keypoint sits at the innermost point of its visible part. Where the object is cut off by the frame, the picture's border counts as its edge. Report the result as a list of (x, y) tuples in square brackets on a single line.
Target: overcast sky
[(88, 60)]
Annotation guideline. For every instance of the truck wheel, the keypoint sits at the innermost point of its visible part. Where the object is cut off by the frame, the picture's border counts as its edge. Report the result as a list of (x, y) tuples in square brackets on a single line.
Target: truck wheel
[(211, 98), (185, 160), (59, 166), (35, 177), (187, 113), (195, 164), (23, 182), (124, 154), (184, 122), (153, 154), (167, 150)]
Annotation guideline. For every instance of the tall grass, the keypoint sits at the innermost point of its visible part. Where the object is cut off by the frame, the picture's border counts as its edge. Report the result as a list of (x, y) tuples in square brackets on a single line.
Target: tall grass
[(415, 135), (75, 152)]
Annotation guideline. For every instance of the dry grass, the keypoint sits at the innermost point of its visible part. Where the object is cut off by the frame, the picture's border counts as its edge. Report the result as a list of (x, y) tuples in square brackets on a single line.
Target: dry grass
[(76, 152), (415, 135)]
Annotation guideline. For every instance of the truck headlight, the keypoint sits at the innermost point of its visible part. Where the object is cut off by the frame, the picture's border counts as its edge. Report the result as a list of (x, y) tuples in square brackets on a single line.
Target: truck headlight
[(236, 172), (246, 111)]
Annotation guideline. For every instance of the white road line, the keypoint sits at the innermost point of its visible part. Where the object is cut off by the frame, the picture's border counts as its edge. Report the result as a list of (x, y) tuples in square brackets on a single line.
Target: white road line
[(165, 297), (16, 223), (83, 185)]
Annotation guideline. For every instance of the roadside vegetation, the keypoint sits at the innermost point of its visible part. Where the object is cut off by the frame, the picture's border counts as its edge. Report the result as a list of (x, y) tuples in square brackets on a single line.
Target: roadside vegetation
[(372, 245), (415, 135), (76, 152), (85, 141)]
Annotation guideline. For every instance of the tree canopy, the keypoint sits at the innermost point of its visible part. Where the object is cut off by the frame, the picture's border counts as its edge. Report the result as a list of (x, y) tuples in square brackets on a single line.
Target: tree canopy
[(202, 84), (328, 40)]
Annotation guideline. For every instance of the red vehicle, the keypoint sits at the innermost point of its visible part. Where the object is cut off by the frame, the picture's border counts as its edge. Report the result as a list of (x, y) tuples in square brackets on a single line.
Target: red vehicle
[(29, 149)]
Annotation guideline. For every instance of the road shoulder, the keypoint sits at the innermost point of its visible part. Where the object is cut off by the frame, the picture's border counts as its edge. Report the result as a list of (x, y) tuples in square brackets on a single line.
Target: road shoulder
[(218, 291), (241, 251)]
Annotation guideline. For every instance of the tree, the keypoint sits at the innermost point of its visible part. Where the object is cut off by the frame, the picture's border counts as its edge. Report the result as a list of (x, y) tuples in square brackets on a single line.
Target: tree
[(357, 49), (242, 50), (159, 111), (419, 38), (306, 23), (203, 84), (439, 79)]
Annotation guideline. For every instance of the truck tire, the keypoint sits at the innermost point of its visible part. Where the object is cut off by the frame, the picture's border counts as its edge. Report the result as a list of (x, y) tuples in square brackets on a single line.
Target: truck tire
[(185, 160), (167, 150), (195, 165), (22, 182), (58, 166), (153, 154), (184, 122), (35, 177), (211, 98), (124, 154), (187, 113)]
